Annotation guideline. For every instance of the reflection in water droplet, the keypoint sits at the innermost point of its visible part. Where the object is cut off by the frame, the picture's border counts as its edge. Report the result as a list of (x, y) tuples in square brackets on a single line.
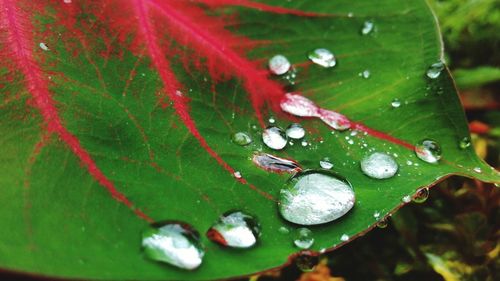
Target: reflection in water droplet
[(275, 164), (304, 238), (241, 138), (344, 237), (322, 57), (435, 70), (379, 166), (428, 151), (306, 261), (464, 143), (421, 195), (325, 163), (279, 65), (235, 229), (406, 199), (315, 197), (295, 131), (174, 243), (274, 138), (396, 103), (367, 27)]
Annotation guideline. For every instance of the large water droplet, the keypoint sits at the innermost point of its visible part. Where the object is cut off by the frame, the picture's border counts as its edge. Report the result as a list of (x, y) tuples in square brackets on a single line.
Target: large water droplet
[(421, 195), (306, 261), (304, 238), (241, 138), (379, 166), (435, 70), (174, 243), (279, 65), (274, 138), (325, 163), (316, 197), (295, 131), (322, 57), (299, 106), (464, 143), (235, 229), (367, 27), (275, 164), (428, 151)]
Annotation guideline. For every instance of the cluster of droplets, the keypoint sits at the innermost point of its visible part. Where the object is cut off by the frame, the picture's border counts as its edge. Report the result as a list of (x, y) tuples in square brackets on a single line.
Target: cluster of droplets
[(276, 138)]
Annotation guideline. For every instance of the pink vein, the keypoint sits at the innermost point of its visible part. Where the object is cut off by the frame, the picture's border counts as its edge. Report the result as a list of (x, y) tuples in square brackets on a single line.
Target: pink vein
[(18, 27)]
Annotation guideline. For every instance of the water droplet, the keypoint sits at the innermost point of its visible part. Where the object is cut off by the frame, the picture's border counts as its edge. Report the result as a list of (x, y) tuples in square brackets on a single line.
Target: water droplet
[(67, 1), (435, 70), (335, 120), (304, 238), (344, 238), (315, 197), (379, 166), (274, 138), (383, 223), (295, 131), (299, 106), (283, 230), (478, 170), (174, 243), (367, 27), (304, 143), (322, 57), (275, 164), (365, 74), (464, 143), (421, 195), (44, 46), (241, 138), (279, 65), (325, 163), (272, 120), (396, 103), (406, 199), (428, 151), (235, 229), (376, 214), (306, 261), (237, 174)]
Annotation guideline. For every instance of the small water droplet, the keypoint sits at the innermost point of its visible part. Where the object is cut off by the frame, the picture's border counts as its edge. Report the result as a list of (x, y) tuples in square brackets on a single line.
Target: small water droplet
[(44, 46), (478, 170), (279, 65), (235, 229), (304, 238), (396, 103), (406, 199), (272, 120), (421, 195), (365, 74), (295, 131), (322, 57), (174, 243), (304, 143), (383, 223), (306, 261), (325, 163), (367, 27), (241, 138), (315, 197), (283, 230), (276, 164), (274, 137), (376, 214), (428, 151), (435, 70), (379, 166), (237, 174), (464, 143), (344, 237)]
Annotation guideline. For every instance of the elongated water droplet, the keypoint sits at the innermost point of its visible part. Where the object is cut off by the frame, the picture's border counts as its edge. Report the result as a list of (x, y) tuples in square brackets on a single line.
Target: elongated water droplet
[(315, 197), (464, 143), (299, 106), (325, 163), (421, 195), (335, 120), (275, 164), (43, 46), (306, 261), (279, 65), (379, 166), (295, 131), (428, 151), (435, 70), (304, 238), (241, 138), (478, 170), (235, 229), (174, 243), (367, 27), (396, 103), (274, 138), (344, 238), (322, 57)]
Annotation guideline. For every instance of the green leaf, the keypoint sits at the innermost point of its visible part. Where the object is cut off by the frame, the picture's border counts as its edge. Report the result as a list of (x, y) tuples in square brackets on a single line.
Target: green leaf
[(79, 187), (470, 78)]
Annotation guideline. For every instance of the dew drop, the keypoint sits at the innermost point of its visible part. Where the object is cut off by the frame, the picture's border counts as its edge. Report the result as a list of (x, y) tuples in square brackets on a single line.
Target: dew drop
[(274, 138), (283, 230), (174, 243), (379, 166), (325, 163), (367, 27), (43, 46), (344, 238), (304, 143), (295, 131), (241, 138), (306, 261), (276, 164), (396, 103), (315, 197), (304, 238), (237, 174), (322, 57), (235, 229), (406, 199), (464, 143), (299, 106), (435, 70), (365, 74), (478, 170), (279, 65), (383, 223), (376, 214), (421, 195), (428, 151)]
